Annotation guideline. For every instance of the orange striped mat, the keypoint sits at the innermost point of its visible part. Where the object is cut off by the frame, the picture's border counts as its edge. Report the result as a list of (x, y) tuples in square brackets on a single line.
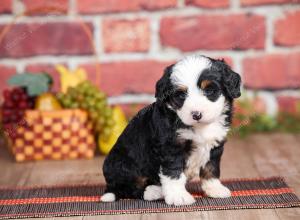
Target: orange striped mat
[(73, 200)]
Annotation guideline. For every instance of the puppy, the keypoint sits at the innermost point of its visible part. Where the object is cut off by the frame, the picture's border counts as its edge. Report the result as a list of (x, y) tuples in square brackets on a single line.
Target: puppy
[(176, 138)]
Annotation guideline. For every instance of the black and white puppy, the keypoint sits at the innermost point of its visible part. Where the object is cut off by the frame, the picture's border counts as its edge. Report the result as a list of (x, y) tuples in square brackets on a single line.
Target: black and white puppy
[(178, 137)]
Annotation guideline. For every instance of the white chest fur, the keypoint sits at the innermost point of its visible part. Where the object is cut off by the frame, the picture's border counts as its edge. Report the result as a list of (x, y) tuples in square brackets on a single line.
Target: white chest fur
[(205, 138)]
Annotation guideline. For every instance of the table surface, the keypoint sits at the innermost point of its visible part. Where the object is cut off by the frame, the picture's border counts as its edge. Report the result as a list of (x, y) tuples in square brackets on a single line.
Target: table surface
[(259, 155)]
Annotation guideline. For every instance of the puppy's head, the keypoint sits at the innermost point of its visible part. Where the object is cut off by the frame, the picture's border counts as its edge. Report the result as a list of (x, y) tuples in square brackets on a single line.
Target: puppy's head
[(199, 89)]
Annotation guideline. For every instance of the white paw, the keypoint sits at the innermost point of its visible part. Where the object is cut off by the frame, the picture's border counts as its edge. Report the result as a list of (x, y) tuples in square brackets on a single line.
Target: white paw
[(179, 198), (214, 188), (153, 192), (108, 197)]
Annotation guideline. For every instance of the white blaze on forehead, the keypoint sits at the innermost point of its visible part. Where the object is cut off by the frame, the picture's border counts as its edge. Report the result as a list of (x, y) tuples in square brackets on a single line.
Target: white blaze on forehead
[(187, 71)]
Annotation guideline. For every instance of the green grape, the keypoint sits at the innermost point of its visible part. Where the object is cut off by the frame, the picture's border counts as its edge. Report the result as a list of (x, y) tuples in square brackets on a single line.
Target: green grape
[(80, 98), (90, 93), (100, 95), (101, 121), (91, 103), (60, 96), (74, 105), (67, 101), (93, 115), (107, 112), (72, 92), (100, 105)]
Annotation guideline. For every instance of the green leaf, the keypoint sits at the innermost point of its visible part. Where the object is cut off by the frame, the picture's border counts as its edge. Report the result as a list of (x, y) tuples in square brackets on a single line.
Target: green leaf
[(35, 84), (49, 78)]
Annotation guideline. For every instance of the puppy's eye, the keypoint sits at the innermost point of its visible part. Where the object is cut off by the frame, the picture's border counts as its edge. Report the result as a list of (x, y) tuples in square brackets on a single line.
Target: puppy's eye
[(209, 92), (180, 94), (211, 89)]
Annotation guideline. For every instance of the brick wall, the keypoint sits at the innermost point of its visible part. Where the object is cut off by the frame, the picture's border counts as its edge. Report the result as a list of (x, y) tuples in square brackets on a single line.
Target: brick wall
[(136, 39)]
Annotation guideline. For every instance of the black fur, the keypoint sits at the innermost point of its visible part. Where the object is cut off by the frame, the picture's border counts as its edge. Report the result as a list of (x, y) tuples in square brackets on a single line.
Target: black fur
[(231, 81), (150, 142), (212, 168)]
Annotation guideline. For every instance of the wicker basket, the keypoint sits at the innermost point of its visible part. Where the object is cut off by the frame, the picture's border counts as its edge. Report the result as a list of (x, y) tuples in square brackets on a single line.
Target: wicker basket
[(61, 134)]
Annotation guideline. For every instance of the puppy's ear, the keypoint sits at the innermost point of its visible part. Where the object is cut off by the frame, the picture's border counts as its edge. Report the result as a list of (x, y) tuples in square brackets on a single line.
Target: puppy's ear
[(164, 85), (231, 79), (232, 83)]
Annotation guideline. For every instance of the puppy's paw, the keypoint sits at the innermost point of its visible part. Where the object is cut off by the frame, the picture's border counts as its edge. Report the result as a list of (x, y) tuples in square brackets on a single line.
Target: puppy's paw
[(215, 189), (179, 198), (153, 192), (108, 197)]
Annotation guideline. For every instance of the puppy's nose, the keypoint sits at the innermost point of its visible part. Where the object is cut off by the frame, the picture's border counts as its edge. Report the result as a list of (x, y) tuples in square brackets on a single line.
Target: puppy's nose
[(196, 115)]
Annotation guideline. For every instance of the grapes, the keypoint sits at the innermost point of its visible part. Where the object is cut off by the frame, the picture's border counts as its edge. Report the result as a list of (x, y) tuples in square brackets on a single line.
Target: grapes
[(23, 104), (16, 101), (89, 98)]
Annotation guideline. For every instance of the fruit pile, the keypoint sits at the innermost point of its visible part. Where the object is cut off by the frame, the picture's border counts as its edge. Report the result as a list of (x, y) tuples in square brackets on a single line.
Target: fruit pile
[(33, 91), (88, 97)]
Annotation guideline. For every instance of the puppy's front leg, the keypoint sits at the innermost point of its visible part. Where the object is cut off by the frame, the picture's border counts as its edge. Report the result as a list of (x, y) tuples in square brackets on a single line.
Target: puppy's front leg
[(174, 191), (210, 174)]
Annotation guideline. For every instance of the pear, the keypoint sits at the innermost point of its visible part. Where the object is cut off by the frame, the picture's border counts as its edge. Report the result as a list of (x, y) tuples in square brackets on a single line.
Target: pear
[(106, 144), (47, 102)]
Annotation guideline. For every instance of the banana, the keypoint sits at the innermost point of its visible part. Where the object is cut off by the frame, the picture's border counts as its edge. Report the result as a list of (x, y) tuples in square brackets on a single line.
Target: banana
[(70, 78)]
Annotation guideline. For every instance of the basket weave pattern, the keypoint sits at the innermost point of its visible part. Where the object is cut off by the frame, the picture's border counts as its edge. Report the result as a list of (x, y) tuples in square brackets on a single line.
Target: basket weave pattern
[(61, 134)]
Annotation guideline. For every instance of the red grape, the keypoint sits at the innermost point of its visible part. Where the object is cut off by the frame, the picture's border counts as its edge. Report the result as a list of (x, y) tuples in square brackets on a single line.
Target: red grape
[(18, 90), (15, 97), (6, 113), (19, 114), (16, 101), (24, 97), (8, 104), (5, 120), (23, 105), (14, 118)]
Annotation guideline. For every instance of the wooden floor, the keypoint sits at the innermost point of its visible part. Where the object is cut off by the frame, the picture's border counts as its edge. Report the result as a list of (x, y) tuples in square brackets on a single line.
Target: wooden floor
[(256, 156)]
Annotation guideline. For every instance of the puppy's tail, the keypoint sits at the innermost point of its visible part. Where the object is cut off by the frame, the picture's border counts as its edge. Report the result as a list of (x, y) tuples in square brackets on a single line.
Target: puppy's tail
[(108, 197)]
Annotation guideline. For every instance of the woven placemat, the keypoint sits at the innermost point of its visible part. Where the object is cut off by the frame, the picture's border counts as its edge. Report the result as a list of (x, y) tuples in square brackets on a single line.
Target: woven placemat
[(74, 200)]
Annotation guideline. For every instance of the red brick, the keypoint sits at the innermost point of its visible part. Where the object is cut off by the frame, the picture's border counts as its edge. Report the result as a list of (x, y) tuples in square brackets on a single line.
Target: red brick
[(5, 73), (45, 39), (128, 76), (227, 59), (287, 30), (46, 68), (288, 104), (126, 35), (203, 32), (46, 6), (130, 110), (209, 3), (266, 2), (104, 6), (5, 6), (274, 71)]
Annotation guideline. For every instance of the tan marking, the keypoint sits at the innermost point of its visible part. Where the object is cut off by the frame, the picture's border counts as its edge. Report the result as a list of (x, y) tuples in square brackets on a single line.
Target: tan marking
[(141, 181), (205, 83), (206, 172)]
